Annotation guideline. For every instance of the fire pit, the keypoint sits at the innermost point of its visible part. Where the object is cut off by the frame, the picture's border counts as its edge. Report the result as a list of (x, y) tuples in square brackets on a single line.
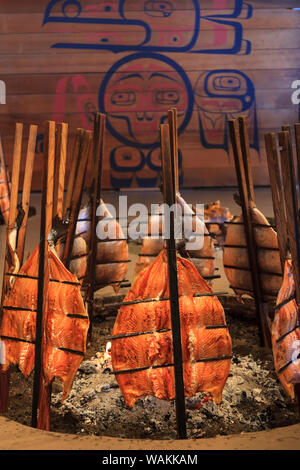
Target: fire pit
[(253, 399)]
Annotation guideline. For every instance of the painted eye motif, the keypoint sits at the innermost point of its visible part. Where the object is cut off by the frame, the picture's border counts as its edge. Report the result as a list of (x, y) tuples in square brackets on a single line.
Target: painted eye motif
[(166, 97), (158, 8), (229, 83), (123, 98), (71, 9)]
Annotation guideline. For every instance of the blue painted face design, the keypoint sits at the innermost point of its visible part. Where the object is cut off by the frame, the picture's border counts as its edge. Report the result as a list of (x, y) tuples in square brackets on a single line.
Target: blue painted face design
[(136, 103), (220, 95)]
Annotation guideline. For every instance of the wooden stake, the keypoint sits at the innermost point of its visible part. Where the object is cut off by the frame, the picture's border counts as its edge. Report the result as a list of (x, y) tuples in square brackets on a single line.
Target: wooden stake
[(26, 190), (245, 147), (73, 172), (60, 167), (13, 211), (277, 195), (41, 394), (244, 192), (8, 184), (5, 376), (297, 139), (172, 120), (84, 152), (173, 283), (98, 148)]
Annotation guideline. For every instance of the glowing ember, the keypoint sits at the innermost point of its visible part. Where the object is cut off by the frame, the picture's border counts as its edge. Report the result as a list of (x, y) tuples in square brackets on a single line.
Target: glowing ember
[(107, 353), (105, 358)]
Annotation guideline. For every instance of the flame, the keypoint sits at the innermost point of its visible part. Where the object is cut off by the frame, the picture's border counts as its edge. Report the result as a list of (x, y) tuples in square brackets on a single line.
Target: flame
[(108, 348)]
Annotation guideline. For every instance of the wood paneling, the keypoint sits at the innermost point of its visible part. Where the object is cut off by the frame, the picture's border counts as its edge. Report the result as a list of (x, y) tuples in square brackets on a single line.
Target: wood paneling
[(241, 58)]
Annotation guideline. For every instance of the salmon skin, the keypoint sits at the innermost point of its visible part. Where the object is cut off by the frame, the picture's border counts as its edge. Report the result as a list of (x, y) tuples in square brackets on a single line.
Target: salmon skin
[(286, 335), (237, 257), (111, 257), (203, 258), (199, 340), (66, 323)]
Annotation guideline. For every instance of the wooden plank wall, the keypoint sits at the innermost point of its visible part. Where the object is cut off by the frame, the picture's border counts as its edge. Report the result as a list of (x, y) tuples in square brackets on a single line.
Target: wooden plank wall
[(134, 60)]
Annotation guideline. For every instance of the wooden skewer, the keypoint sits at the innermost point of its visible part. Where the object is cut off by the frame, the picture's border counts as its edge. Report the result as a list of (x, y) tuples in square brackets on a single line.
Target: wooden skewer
[(3, 164), (13, 211), (297, 139), (26, 190), (60, 167), (84, 152), (73, 172), (245, 147), (169, 195), (291, 204), (172, 120), (5, 376), (244, 191), (42, 394), (98, 149), (277, 195)]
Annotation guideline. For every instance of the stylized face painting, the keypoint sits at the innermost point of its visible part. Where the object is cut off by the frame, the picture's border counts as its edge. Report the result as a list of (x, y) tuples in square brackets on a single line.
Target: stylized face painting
[(136, 95), (84, 102), (220, 95)]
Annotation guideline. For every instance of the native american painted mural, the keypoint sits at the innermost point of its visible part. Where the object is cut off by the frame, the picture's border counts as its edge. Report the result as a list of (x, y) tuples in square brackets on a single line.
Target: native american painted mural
[(134, 60)]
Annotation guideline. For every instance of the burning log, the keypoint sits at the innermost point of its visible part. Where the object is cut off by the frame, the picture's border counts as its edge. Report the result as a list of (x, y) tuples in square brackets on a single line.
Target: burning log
[(143, 363)]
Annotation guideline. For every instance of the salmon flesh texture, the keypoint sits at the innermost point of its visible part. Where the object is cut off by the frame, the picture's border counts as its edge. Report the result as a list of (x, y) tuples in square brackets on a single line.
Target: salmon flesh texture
[(155, 348), (65, 319), (286, 335), (267, 252)]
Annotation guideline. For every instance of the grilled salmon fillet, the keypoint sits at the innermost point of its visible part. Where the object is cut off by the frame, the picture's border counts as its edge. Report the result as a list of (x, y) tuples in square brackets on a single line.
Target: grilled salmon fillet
[(65, 319), (112, 256), (203, 332), (203, 258), (236, 256), (286, 334)]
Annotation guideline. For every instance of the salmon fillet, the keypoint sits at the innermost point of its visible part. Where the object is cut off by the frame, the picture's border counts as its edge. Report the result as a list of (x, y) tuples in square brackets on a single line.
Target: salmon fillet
[(286, 335), (112, 256), (66, 323), (199, 341), (202, 258), (268, 257)]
